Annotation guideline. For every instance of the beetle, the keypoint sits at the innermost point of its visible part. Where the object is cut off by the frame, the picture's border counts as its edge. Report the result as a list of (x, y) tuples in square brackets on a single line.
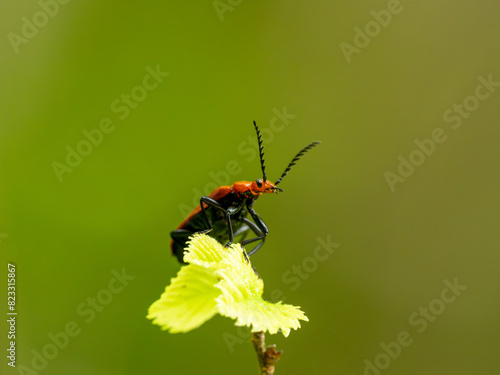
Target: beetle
[(223, 213)]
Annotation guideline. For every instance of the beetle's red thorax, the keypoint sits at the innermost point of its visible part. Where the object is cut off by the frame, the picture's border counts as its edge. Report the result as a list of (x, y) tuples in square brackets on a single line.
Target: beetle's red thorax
[(243, 188)]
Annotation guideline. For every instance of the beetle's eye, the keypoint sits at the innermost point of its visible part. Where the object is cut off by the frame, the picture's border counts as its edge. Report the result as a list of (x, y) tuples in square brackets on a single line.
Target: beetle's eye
[(259, 182)]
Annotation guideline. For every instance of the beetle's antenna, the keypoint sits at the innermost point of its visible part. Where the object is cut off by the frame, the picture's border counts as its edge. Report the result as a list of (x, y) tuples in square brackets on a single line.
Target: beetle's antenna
[(261, 151), (296, 158)]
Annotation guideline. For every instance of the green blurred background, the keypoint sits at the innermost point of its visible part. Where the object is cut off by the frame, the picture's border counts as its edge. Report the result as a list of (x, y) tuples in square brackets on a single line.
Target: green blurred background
[(115, 209)]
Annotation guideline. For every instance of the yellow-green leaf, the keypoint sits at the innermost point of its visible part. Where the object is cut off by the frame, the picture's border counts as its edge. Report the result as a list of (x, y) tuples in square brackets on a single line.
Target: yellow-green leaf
[(219, 279), (241, 297), (188, 302)]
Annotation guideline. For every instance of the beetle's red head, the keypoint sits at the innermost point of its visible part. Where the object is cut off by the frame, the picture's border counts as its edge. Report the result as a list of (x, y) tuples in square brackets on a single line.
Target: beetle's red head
[(259, 186)]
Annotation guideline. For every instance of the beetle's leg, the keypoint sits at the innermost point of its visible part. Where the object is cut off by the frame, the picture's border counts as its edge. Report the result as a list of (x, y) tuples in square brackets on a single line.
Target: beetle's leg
[(231, 211), (242, 230), (258, 232), (261, 231), (228, 212), (212, 203)]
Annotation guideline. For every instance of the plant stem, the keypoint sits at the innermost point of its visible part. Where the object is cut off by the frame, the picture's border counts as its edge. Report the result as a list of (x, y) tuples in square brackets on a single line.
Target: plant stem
[(267, 356)]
